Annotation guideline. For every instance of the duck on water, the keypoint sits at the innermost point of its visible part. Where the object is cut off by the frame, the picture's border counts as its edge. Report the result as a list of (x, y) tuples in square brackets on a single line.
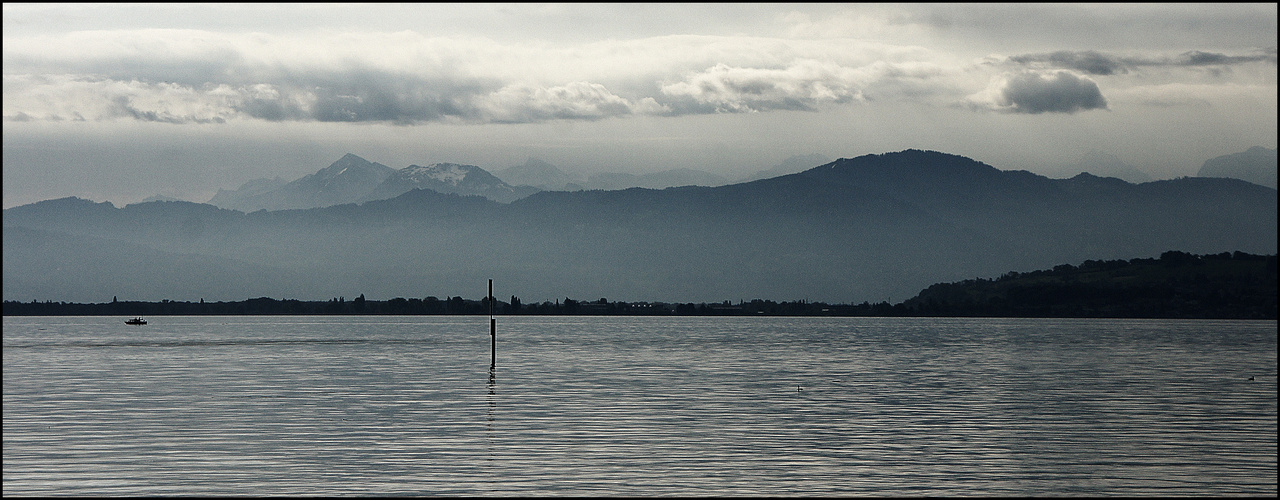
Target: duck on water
[(136, 321)]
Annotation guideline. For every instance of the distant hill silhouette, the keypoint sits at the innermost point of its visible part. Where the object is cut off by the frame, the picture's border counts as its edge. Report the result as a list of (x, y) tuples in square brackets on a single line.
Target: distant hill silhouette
[(158, 197), (539, 174), (794, 164), (1101, 164), (548, 177), (241, 197), (654, 180), (859, 229), (1257, 165)]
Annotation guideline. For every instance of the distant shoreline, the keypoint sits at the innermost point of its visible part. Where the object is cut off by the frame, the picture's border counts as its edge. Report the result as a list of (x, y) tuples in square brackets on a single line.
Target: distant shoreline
[(1177, 285), (264, 306), (255, 307)]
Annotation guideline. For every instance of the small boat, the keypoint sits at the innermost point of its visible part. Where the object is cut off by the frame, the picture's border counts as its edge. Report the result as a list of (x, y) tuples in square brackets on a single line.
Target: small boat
[(136, 321)]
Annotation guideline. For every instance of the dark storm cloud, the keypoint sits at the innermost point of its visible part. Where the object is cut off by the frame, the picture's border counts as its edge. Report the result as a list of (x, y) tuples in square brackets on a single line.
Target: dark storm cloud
[(1200, 58), (1098, 63), (1088, 61), (1061, 92)]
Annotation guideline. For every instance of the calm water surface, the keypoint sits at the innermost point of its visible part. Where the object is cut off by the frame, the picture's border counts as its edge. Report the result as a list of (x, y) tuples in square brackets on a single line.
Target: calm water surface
[(240, 405)]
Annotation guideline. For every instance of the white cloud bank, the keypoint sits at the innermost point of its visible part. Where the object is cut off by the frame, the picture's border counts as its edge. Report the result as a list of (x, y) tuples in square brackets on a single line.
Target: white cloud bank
[(407, 77), (194, 76)]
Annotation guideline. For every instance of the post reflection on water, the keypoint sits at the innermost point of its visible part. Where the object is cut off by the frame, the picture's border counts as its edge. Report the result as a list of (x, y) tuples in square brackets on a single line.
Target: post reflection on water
[(492, 403), (489, 415)]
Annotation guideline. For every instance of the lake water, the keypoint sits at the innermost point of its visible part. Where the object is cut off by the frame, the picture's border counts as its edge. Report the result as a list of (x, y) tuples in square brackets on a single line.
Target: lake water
[(400, 405)]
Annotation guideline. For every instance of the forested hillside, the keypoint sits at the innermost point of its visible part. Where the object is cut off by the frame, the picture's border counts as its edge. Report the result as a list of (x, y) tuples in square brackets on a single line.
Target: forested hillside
[(1177, 285)]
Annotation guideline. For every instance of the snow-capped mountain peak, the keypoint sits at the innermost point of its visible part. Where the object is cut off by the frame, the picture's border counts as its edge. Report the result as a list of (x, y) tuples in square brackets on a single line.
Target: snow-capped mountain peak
[(467, 180), (446, 173)]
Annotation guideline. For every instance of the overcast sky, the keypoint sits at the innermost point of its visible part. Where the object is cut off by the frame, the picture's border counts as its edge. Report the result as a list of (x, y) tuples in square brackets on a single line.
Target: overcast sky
[(121, 102)]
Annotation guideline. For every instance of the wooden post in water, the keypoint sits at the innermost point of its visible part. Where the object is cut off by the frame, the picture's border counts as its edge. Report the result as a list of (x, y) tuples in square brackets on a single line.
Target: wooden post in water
[(493, 332)]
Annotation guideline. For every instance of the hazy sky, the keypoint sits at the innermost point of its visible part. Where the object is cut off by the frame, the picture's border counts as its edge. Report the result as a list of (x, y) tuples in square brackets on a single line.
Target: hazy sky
[(121, 102)]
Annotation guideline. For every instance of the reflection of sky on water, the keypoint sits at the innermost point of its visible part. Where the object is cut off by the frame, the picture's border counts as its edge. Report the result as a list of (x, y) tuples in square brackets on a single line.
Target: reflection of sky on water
[(395, 405)]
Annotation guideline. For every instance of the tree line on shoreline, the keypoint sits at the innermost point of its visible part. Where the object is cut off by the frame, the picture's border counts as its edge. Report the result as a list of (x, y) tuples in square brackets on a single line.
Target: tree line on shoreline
[(1176, 285)]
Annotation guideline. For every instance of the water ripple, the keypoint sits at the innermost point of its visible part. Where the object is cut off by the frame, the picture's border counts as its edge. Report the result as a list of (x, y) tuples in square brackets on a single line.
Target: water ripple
[(638, 406)]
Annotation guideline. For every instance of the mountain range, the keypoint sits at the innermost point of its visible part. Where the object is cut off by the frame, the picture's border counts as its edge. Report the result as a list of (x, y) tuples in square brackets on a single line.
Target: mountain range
[(353, 179), (869, 228)]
